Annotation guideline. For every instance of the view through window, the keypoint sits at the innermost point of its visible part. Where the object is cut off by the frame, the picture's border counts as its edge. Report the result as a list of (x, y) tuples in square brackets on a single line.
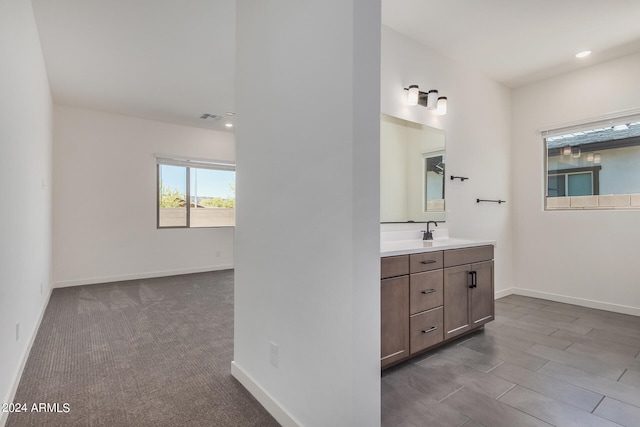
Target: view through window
[(595, 166), (195, 194)]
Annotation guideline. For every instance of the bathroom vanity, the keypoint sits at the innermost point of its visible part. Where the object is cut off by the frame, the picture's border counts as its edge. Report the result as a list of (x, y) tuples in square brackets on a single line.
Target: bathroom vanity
[(432, 292)]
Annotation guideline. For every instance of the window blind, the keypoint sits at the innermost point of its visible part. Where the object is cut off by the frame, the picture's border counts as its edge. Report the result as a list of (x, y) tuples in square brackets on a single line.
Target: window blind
[(196, 163), (602, 122)]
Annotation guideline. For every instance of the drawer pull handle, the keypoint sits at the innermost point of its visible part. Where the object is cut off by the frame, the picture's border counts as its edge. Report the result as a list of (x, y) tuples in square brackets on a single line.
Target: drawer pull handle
[(431, 329), (474, 279), (430, 291), (429, 261)]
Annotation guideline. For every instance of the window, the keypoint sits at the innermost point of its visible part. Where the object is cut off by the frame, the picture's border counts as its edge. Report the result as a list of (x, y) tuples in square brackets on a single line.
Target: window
[(594, 166), (573, 182), (194, 194)]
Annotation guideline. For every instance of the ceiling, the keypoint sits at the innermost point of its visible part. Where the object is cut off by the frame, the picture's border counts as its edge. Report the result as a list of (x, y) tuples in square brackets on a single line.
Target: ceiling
[(174, 60), (516, 42), (165, 60)]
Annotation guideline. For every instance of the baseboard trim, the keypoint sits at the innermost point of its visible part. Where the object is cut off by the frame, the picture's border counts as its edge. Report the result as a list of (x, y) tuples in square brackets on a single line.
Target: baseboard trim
[(266, 400), (504, 293), (4, 416), (617, 308), (137, 276)]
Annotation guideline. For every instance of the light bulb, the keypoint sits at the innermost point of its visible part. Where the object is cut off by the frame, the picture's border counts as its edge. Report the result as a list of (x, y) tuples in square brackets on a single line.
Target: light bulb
[(442, 106), (413, 95), (432, 100)]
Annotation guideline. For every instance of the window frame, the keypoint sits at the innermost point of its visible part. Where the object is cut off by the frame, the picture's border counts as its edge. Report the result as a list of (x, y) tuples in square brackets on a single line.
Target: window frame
[(187, 164), (584, 127)]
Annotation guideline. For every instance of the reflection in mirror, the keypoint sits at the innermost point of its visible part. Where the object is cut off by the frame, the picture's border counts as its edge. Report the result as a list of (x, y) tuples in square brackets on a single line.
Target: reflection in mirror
[(412, 164), (434, 182)]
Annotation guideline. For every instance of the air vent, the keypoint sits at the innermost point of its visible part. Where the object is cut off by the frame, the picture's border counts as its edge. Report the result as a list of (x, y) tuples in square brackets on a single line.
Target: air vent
[(208, 116)]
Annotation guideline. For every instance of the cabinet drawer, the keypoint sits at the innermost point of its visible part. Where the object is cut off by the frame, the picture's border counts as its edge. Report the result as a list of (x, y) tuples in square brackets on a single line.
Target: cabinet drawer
[(455, 257), (426, 329), (425, 261), (426, 291), (393, 266)]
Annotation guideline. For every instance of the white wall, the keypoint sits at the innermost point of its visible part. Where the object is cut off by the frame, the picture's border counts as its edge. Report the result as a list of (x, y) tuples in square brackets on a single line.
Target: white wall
[(478, 138), (25, 176), (307, 134), (104, 200), (585, 257)]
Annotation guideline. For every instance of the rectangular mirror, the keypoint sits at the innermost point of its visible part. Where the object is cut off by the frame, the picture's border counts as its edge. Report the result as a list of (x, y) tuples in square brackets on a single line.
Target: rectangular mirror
[(412, 171)]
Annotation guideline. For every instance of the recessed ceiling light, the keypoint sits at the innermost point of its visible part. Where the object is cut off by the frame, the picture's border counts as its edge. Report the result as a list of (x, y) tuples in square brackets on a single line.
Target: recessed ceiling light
[(229, 125), (583, 54), (230, 113)]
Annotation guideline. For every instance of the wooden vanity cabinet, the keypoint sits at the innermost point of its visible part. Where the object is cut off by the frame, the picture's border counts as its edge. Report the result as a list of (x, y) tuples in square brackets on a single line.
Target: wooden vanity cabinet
[(394, 306), (431, 297)]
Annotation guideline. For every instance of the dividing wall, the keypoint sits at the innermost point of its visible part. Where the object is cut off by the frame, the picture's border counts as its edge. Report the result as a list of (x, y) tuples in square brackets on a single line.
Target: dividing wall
[(25, 179)]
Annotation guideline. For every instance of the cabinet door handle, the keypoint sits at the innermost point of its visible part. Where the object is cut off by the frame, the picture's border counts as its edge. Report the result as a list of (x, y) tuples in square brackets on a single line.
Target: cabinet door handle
[(430, 261), (474, 280), (430, 291), (431, 329)]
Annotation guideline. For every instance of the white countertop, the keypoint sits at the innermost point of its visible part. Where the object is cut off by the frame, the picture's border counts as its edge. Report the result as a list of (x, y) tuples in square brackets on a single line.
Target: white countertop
[(403, 247)]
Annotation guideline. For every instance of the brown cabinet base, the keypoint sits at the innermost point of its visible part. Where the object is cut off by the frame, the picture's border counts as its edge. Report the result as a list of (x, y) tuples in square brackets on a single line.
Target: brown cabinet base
[(411, 358), (429, 299)]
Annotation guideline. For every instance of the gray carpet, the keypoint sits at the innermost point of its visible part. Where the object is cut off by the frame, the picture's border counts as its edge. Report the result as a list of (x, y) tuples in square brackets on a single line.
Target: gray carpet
[(153, 352)]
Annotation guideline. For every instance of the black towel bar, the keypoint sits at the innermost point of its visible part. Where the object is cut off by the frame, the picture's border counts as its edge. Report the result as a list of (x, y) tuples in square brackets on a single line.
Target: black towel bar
[(494, 201)]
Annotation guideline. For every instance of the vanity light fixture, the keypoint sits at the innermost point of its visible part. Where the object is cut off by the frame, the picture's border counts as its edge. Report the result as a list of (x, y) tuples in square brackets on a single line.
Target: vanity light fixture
[(430, 99), (575, 152), (442, 106)]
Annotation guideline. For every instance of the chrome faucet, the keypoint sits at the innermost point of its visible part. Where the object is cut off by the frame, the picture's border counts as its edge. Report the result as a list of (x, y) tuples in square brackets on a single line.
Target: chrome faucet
[(428, 235)]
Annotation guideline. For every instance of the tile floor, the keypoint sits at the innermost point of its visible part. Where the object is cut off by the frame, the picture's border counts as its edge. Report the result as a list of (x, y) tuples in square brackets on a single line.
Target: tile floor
[(539, 363)]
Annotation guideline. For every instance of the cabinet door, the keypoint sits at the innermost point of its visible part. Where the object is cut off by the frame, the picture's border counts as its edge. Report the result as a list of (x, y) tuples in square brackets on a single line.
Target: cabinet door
[(394, 317), (456, 300), (482, 296)]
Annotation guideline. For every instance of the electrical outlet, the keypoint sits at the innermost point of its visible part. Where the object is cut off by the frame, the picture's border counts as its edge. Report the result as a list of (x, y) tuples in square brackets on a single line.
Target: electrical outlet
[(274, 354), (17, 331)]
